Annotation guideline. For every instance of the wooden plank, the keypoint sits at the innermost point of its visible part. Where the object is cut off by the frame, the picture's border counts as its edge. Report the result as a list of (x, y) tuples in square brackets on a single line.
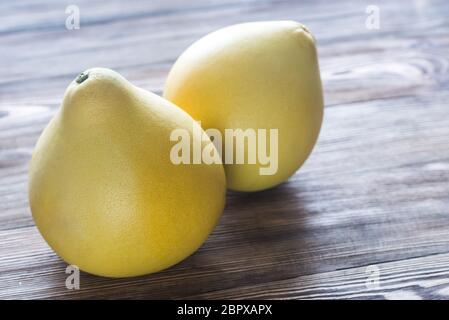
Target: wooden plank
[(412, 279), (317, 222)]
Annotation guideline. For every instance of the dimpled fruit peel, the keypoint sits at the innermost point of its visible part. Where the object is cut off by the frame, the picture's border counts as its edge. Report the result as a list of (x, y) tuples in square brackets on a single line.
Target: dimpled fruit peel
[(257, 75), (103, 191)]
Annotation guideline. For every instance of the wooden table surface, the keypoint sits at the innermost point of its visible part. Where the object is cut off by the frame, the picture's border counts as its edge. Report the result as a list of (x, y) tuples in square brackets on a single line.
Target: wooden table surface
[(372, 199)]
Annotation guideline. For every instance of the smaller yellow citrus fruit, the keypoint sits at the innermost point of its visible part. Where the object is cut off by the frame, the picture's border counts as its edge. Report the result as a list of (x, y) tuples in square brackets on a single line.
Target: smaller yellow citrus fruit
[(254, 76)]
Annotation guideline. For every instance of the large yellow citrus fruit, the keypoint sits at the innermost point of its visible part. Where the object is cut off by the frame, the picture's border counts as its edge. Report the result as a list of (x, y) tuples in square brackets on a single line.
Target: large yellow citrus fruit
[(103, 190), (260, 75)]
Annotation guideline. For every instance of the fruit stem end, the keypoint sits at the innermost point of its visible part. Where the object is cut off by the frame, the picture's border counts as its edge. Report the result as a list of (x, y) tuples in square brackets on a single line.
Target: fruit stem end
[(82, 77)]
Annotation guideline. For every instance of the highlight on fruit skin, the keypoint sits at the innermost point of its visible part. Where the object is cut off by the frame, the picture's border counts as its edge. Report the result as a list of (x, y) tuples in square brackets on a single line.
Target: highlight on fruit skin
[(102, 189), (257, 75)]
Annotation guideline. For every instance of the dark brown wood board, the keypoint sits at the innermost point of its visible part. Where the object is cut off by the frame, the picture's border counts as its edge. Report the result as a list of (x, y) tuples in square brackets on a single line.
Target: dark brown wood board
[(374, 193)]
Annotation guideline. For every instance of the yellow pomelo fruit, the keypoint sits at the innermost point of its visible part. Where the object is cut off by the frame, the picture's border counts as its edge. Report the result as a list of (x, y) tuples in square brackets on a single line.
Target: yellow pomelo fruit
[(259, 75), (103, 191)]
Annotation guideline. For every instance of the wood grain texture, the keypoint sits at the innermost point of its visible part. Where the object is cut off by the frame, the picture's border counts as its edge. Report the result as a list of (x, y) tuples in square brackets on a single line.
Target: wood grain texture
[(374, 192)]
